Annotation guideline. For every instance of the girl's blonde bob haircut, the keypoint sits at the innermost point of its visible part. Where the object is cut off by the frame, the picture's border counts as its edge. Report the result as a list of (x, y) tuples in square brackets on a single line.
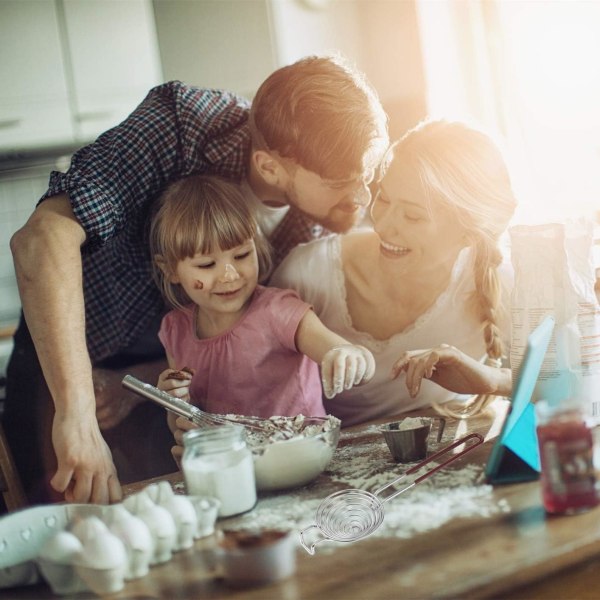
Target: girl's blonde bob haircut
[(200, 214)]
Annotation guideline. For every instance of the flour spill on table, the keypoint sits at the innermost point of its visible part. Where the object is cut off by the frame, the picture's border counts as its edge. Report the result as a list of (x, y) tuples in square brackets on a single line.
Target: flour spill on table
[(451, 493)]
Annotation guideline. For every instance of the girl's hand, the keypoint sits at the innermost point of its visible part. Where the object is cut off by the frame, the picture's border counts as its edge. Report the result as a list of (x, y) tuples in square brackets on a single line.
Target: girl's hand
[(345, 366), (176, 383), (179, 426), (452, 369)]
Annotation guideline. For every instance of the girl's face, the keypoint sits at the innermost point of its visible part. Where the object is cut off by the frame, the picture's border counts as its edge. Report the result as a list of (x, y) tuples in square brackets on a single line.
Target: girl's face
[(221, 282), (415, 235)]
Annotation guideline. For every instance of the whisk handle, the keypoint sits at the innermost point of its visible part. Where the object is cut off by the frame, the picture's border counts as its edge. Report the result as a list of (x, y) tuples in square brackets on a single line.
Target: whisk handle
[(175, 405), (310, 548)]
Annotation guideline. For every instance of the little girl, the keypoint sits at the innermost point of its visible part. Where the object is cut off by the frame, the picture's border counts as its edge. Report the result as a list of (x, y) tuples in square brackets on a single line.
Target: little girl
[(235, 346)]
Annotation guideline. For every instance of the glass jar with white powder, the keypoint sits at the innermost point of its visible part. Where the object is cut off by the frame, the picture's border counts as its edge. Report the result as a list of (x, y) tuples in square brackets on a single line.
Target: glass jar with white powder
[(217, 462)]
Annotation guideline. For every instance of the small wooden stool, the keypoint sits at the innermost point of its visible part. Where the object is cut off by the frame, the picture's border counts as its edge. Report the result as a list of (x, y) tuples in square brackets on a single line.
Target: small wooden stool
[(10, 484)]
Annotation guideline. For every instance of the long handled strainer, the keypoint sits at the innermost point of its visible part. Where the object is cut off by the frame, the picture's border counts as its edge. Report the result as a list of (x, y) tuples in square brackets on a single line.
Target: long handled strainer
[(353, 514)]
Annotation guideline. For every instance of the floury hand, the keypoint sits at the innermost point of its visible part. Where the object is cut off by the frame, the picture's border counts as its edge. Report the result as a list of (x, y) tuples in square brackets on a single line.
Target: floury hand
[(345, 366)]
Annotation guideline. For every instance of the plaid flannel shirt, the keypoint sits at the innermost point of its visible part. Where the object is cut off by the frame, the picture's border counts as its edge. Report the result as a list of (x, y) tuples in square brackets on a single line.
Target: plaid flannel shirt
[(178, 130)]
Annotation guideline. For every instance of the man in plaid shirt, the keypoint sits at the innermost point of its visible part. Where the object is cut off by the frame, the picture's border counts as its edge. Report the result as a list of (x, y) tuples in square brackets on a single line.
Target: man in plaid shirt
[(303, 154)]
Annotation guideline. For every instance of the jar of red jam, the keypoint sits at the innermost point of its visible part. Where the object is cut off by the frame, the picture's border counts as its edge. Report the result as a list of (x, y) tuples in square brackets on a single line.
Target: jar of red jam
[(566, 446)]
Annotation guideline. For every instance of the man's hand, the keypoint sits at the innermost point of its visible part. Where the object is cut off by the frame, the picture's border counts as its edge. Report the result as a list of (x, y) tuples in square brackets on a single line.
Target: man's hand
[(85, 469)]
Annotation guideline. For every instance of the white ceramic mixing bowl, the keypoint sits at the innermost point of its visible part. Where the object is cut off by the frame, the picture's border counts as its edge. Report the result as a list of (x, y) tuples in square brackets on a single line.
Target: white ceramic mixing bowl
[(295, 462)]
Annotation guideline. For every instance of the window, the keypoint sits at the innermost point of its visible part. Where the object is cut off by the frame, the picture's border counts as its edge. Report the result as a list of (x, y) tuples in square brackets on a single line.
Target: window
[(529, 71)]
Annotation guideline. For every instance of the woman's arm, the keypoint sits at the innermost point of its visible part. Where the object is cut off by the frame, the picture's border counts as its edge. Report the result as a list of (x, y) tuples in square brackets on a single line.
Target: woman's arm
[(47, 258), (343, 365), (452, 369)]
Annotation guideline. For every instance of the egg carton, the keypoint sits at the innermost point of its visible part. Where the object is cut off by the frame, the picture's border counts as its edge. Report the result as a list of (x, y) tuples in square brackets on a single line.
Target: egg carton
[(23, 534), (80, 547)]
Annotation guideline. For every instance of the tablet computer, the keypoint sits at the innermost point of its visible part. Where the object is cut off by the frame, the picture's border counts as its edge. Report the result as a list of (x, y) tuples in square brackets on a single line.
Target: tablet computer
[(515, 455)]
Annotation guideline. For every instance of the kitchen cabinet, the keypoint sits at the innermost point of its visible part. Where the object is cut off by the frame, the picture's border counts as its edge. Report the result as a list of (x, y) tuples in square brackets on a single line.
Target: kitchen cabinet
[(34, 99), (72, 68), (114, 60)]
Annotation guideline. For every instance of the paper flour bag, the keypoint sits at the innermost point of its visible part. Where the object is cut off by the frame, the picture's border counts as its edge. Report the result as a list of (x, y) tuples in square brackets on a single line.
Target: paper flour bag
[(554, 274)]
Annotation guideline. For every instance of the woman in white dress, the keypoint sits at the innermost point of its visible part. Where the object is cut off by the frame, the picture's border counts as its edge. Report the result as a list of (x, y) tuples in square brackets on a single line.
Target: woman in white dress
[(425, 288)]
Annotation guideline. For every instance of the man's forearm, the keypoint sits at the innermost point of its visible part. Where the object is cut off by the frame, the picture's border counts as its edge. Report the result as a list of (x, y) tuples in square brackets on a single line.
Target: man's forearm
[(47, 259)]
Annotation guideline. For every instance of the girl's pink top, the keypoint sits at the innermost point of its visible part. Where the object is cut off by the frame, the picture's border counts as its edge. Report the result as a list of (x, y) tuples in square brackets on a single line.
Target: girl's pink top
[(253, 368)]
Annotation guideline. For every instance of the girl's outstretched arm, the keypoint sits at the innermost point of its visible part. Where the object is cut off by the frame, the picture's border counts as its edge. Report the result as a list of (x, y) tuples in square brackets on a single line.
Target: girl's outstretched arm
[(343, 365)]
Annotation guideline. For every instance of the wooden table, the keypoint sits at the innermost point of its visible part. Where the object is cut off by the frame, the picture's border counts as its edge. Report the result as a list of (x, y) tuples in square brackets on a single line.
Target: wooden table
[(516, 550)]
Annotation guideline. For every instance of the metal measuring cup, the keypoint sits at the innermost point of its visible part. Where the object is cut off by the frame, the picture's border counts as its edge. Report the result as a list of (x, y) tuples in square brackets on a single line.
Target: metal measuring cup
[(407, 439)]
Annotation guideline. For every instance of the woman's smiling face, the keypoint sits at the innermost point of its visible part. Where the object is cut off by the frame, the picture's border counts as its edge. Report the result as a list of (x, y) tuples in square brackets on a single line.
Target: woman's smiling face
[(414, 231)]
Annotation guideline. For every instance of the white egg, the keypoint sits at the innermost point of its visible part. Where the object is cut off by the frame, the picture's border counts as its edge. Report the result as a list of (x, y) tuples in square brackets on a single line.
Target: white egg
[(61, 547), (136, 536), (207, 509), (136, 501), (183, 513), (101, 548), (88, 527), (103, 562), (161, 525), (152, 491), (56, 563)]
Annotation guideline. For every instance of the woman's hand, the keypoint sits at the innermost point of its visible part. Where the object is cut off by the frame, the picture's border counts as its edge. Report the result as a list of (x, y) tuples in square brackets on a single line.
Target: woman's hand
[(452, 369), (345, 366)]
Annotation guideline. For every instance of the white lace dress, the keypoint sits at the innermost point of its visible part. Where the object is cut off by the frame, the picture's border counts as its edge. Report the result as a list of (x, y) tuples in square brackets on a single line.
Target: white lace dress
[(315, 271)]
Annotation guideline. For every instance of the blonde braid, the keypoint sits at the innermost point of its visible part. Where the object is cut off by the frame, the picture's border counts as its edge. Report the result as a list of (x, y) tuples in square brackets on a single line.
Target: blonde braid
[(487, 293), (486, 300)]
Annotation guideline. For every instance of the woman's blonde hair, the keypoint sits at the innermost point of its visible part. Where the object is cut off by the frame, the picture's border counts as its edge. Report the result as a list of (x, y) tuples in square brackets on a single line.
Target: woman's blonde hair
[(464, 170), (199, 214)]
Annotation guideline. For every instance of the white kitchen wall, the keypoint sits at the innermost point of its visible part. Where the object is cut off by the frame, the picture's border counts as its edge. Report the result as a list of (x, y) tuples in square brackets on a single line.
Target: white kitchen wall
[(20, 189), (303, 27), (223, 44), (235, 44)]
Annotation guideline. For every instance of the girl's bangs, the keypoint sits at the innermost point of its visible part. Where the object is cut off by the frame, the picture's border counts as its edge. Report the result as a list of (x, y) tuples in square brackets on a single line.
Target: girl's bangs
[(223, 231)]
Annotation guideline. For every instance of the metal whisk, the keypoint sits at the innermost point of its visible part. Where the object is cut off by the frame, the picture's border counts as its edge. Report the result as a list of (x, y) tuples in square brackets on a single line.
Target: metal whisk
[(189, 411), (353, 514)]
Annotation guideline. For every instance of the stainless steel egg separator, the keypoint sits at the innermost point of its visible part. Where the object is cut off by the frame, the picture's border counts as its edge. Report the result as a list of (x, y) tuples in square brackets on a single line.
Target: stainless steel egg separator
[(352, 514)]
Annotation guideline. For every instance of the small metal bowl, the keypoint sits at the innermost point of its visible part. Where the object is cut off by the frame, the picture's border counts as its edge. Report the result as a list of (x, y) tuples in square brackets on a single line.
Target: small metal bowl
[(407, 439)]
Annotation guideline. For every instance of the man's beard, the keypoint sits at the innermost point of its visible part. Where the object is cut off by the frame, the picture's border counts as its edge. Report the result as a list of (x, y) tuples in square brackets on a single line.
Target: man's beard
[(340, 221), (336, 220)]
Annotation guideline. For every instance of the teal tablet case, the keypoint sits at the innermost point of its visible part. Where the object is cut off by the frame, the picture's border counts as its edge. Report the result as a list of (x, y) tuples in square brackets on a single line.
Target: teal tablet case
[(515, 455)]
